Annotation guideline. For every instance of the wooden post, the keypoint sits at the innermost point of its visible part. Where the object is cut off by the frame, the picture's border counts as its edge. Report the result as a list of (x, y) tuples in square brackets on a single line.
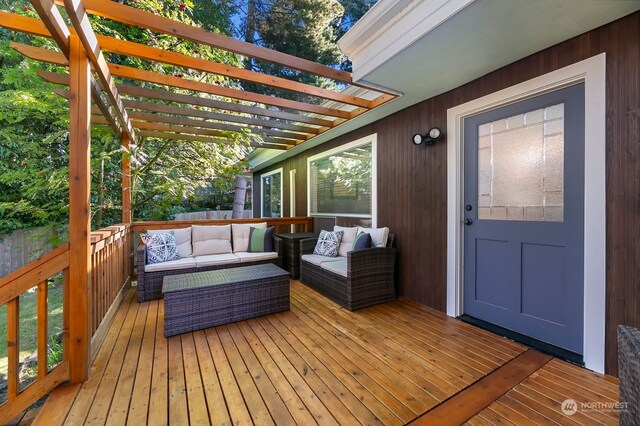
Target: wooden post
[(79, 211), (126, 179)]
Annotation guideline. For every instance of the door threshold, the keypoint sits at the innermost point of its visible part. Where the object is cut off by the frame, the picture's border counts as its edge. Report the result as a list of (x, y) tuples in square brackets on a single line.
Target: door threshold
[(545, 347)]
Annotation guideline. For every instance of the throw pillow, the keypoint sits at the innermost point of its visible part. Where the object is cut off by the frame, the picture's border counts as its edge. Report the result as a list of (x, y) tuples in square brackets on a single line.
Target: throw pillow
[(328, 243), (261, 240), (362, 241), (379, 236), (161, 247)]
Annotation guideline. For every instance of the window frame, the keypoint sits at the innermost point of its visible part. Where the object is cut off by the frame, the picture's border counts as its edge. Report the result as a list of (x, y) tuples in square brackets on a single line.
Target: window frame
[(370, 139), (264, 175)]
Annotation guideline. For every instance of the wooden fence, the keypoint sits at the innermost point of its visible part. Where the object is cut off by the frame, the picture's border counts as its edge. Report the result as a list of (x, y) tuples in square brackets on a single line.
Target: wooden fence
[(22, 247), (212, 214)]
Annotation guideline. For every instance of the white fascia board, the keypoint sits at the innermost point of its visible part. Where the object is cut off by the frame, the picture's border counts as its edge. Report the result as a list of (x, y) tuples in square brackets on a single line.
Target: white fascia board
[(390, 27)]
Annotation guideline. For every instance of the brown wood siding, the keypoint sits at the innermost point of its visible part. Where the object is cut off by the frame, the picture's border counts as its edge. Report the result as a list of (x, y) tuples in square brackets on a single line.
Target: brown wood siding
[(412, 189)]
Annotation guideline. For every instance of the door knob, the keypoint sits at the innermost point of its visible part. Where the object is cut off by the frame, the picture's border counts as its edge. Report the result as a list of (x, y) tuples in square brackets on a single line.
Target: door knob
[(468, 207), (468, 221)]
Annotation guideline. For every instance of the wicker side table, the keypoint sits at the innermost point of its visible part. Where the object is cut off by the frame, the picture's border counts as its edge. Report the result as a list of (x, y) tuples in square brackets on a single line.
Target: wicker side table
[(291, 251), (205, 299)]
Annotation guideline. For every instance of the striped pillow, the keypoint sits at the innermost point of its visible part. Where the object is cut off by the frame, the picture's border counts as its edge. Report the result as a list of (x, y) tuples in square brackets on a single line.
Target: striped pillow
[(261, 240)]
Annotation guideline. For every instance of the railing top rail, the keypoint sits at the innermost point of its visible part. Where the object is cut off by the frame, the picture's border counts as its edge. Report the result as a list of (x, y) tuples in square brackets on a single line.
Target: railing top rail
[(32, 266), (104, 233), (142, 226)]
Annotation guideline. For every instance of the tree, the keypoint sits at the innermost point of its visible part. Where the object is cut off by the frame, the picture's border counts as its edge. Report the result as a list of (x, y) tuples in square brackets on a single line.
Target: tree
[(34, 134)]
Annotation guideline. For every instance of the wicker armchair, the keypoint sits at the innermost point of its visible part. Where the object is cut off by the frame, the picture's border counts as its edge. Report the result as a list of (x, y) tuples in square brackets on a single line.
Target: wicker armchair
[(150, 283), (369, 281), (629, 372)]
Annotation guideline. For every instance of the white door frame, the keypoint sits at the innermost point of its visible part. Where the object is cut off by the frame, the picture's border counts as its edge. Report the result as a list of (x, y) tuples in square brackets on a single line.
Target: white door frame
[(592, 72)]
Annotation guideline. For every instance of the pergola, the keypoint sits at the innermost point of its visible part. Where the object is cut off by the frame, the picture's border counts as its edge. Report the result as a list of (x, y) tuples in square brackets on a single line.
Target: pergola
[(210, 114)]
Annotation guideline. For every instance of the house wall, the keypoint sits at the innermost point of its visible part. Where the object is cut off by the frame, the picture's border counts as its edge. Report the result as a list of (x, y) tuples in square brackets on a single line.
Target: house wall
[(412, 179)]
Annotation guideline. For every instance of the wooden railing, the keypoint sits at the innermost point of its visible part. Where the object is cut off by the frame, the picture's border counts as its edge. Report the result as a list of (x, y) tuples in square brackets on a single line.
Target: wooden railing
[(111, 264), (282, 224), (34, 274), (111, 274)]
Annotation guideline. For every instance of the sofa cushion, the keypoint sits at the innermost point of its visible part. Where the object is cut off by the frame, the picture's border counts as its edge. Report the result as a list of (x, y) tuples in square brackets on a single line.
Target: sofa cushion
[(183, 239), (241, 233), (317, 259), (379, 236), (161, 247), (339, 267), (261, 240), (255, 257), (348, 237), (184, 263), (211, 239), (216, 259), (362, 241), (328, 243)]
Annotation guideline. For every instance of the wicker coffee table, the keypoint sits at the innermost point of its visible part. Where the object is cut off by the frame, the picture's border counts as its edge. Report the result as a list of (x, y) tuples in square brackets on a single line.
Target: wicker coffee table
[(205, 299)]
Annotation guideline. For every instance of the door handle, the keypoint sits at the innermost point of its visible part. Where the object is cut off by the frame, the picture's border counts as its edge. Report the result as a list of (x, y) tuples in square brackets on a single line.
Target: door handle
[(468, 221)]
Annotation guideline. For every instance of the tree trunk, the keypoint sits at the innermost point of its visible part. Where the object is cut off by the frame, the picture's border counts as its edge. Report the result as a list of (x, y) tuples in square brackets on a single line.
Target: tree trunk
[(240, 191), (250, 30)]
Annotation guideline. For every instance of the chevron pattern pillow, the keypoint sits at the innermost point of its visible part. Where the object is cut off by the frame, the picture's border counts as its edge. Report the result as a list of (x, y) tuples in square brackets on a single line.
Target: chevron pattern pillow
[(328, 243), (161, 247)]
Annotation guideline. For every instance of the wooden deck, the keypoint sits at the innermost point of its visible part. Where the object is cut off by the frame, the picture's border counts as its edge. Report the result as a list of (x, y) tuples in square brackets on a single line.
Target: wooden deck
[(318, 364)]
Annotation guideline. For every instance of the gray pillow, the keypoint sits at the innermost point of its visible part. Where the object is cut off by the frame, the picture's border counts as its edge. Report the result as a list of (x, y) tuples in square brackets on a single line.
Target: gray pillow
[(328, 243), (161, 247)]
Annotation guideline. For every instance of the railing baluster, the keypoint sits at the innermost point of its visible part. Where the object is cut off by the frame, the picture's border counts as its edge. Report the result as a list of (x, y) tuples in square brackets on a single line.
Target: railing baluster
[(66, 314), (13, 329), (43, 327)]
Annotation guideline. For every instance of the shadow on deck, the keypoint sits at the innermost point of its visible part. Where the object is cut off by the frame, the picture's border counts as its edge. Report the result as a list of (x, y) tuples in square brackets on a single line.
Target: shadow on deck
[(320, 364)]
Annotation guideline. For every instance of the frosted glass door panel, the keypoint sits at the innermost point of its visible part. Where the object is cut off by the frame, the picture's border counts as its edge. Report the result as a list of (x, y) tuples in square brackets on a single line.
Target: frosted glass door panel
[(521, 167)]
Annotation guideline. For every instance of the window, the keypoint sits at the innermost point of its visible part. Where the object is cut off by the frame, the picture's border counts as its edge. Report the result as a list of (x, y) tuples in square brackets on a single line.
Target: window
[(271, 194), (341, 182)]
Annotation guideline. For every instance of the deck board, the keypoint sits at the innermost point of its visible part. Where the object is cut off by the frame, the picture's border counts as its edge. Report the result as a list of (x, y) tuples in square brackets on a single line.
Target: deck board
[(315, 364)]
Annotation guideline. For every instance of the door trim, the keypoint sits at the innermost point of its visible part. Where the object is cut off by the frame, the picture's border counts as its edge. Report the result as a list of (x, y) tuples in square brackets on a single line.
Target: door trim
[(592, 72)]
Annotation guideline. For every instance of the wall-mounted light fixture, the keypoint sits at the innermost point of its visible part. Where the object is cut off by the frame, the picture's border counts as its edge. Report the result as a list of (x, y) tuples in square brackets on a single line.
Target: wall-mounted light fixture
[(429, 139)]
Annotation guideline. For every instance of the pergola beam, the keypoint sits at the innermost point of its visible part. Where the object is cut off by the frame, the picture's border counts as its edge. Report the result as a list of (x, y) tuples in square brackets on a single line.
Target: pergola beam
[(183, 137), (81, 23), (53, 21)]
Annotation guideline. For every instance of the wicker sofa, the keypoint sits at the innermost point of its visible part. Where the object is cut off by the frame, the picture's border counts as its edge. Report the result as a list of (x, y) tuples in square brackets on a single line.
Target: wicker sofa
[(150, 276), (361, 278)]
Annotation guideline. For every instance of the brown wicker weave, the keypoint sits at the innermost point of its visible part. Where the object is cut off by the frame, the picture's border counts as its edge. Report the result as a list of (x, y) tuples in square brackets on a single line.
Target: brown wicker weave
[(369, 281), (629, 372), (206, 299), (149, 284)]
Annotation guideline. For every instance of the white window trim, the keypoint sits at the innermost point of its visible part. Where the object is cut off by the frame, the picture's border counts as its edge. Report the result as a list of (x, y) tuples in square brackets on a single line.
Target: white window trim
[(592, 72), (262, 176), (373, 140)]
